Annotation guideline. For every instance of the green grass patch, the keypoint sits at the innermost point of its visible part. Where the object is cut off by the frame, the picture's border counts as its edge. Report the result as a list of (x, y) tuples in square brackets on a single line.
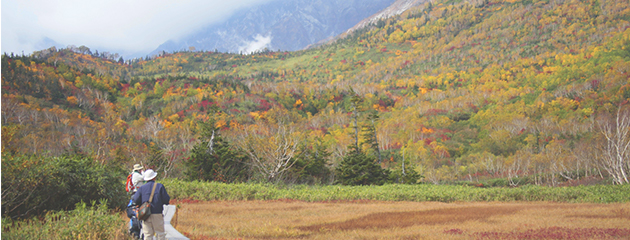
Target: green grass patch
[(208, 191)]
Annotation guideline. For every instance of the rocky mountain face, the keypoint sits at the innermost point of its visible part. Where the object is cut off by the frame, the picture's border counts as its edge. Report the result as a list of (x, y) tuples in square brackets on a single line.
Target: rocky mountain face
[(279, 25), (394, 9)]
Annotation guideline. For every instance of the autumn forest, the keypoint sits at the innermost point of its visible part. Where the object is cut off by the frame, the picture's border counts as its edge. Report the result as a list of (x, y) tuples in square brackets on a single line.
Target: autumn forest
[(530, 92)]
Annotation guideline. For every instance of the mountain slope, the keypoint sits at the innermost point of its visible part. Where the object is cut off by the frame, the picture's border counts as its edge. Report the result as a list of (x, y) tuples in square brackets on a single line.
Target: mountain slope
[(513, 89)]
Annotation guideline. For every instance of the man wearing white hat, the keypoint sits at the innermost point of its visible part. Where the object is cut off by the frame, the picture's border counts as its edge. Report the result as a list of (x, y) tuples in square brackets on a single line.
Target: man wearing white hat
[(155, 223), (137, 179)]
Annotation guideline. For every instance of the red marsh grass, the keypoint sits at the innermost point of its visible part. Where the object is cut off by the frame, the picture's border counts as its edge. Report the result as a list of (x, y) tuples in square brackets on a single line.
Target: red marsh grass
[(288, 219)]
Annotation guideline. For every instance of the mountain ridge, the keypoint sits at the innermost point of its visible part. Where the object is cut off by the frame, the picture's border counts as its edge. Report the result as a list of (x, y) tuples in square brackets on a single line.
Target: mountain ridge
[(284, 25), (396, 8)]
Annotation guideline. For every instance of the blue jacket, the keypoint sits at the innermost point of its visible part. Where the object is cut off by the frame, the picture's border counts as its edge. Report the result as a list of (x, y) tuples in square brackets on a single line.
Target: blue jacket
[(160, 197)]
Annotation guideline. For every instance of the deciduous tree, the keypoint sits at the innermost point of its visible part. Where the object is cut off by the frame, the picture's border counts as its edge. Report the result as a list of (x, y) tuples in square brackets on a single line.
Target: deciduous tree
[(615, 144)]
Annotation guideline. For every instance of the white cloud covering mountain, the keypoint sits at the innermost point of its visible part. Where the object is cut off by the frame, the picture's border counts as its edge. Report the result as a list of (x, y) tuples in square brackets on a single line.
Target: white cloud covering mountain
[(260, 43)]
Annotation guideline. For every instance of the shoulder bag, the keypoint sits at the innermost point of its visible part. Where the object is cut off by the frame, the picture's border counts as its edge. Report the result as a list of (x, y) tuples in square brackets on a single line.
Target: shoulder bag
[(144, 211)]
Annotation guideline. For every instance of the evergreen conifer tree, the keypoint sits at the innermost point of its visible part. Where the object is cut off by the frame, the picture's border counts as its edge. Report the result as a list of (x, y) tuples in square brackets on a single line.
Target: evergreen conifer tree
[(369, 135), (359, 169), (212, 159), (311, 165)]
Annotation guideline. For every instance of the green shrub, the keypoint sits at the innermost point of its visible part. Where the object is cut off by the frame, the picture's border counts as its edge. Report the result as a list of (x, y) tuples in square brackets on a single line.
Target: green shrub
[(84, 222), (32, 185), (410, 176)]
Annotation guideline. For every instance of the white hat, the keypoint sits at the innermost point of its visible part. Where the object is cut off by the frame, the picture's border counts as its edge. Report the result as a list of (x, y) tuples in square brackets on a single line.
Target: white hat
[(137, 167), (149, 175)]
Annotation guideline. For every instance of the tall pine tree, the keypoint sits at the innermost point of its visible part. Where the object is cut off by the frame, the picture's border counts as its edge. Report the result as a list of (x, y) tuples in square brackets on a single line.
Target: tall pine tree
[(357, 168), (369, 135)]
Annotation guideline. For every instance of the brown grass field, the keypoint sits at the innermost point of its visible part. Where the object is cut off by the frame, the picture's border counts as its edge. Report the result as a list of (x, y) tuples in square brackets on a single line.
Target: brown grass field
[(288, 219)]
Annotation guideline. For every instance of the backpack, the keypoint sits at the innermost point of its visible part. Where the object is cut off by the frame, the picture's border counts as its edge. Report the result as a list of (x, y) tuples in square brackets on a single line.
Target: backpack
[(129, 184)]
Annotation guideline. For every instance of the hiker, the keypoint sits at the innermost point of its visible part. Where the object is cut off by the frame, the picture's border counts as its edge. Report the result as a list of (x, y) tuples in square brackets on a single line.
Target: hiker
[(135, 228), (137, 179), (155, 223), (134, 179)]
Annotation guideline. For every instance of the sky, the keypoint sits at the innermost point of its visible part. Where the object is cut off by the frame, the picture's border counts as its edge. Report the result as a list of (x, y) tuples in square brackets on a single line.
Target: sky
[(127, 27)]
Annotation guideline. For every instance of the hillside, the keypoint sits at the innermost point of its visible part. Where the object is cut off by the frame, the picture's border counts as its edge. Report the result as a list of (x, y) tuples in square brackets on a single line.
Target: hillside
[(462, 90)]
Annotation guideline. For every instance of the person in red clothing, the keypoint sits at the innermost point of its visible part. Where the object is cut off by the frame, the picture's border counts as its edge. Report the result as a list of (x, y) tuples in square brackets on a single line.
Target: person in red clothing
[(154, 225)]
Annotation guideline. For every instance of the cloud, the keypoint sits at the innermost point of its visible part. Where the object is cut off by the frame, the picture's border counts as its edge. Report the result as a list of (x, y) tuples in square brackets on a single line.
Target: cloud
[(14, 35), (260, 42), (123, 26)]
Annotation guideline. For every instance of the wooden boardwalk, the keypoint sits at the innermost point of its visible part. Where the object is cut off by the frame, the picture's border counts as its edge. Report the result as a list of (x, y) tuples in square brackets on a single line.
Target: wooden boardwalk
[(171, 232)]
